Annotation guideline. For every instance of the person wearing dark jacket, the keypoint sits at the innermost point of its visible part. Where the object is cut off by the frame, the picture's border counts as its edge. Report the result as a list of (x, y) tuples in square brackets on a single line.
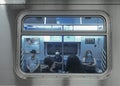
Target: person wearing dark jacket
[(74, 65)]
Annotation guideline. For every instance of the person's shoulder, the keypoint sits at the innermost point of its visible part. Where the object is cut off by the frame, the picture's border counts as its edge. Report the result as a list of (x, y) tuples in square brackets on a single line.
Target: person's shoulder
[(28, 58)]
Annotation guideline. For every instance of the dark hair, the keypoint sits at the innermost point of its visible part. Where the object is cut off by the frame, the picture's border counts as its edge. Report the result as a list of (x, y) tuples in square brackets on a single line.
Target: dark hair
[(73, 65), (33, 51), (48, 61)]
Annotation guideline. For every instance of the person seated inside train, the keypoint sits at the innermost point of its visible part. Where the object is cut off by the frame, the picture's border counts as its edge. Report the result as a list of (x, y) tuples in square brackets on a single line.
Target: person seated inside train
[(48, 61), (89, 62), (74, 65), (58, 61), (33, 63)]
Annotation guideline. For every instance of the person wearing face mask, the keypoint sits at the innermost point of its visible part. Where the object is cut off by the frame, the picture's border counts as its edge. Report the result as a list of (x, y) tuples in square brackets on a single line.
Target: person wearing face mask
[(89, 62), (57, 57), (57, 61)]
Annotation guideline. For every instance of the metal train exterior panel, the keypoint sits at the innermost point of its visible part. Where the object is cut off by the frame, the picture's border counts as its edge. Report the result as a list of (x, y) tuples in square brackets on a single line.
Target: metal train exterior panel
[(22, 34)]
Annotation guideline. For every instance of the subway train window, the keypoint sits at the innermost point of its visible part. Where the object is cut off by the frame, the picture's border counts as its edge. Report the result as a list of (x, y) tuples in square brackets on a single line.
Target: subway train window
[(63, 44)]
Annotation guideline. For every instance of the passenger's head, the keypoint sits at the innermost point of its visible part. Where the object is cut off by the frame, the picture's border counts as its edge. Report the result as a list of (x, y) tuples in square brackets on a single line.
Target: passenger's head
[(57, 52), (73, 64), (88, 53), (33, 52)]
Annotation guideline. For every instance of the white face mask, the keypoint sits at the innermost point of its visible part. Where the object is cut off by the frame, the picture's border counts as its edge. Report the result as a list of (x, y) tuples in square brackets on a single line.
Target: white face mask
[(57, 53), (89, 55)]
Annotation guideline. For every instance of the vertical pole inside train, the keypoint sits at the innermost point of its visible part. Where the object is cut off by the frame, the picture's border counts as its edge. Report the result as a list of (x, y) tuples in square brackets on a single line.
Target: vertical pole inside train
[(62, 52)]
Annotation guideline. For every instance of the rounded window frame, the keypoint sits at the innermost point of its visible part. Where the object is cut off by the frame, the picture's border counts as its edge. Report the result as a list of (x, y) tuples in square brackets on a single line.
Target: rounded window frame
[(20, 32)]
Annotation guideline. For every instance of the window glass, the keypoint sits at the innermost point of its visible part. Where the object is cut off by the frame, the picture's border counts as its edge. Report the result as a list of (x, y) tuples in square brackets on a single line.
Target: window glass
[(82, 23), (63, 54)]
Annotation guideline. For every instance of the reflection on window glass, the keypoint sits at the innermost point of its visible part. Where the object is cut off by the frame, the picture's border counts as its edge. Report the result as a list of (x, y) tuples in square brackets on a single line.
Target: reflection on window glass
[(93, 23), (34, 19), (66, 54), (68, 20), (92, 20)]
